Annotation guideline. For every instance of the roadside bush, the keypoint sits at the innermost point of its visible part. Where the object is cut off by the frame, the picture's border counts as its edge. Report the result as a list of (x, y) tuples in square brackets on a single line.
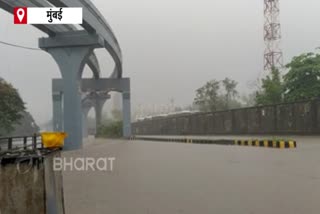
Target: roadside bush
[(111, 130)]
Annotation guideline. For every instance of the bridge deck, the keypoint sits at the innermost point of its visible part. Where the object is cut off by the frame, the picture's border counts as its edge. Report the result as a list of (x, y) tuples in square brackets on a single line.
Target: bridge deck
[(155, 177)]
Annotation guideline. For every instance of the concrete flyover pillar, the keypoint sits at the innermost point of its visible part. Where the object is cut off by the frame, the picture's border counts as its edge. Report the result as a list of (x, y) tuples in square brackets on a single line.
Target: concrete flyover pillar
[(71, 50), (98, 109), (121, 85), (57, 111), (126, 114)]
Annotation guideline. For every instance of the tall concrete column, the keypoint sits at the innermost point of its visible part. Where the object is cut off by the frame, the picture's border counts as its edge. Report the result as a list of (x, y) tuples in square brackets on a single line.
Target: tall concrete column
[(70, 61), (71, 51), (98, 109), (126, 114), (57, 111)]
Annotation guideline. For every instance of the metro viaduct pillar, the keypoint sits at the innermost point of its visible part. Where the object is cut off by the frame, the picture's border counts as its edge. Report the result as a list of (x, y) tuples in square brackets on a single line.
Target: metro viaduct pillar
[(121, 85), (97, 102), (71, 50)]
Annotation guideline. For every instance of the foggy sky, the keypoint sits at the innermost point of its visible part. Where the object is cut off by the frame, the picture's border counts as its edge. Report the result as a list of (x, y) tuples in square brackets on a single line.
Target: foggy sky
[(170, 47)]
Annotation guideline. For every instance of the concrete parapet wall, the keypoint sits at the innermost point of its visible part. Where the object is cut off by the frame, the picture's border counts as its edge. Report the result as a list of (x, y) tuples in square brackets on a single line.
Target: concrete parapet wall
[(29, 185), (282, 119)]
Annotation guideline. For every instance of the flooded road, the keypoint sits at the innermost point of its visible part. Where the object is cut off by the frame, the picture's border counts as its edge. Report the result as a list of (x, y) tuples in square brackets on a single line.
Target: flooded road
[(174, 178)]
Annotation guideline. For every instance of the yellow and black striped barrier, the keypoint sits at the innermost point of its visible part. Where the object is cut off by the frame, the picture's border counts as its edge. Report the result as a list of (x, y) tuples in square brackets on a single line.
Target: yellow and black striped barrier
[(280, 144)]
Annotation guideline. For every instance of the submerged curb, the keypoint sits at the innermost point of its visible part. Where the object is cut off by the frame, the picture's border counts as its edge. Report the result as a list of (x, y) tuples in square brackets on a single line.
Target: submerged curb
[(255, 143), (186, 140)]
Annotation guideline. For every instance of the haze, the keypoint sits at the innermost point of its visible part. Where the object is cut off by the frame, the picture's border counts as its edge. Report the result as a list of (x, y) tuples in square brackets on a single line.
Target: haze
[(170, 47)]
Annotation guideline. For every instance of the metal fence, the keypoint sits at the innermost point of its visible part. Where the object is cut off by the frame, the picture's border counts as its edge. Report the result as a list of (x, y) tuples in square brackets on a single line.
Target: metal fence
[(287, 118), (20, 143)]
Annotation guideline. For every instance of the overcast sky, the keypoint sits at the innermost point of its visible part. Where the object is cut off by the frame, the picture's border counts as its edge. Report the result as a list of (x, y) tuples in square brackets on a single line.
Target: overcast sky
[(170, 47)]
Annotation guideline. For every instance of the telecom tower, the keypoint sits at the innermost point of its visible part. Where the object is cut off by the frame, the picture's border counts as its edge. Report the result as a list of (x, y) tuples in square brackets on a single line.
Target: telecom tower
[(273, 57)]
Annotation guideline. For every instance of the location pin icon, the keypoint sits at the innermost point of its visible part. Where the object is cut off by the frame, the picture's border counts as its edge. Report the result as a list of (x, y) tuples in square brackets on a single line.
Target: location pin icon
[(20, 14)]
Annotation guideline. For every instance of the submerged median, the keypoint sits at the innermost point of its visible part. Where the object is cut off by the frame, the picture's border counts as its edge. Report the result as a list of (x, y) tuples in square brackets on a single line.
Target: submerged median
[(273, 143)]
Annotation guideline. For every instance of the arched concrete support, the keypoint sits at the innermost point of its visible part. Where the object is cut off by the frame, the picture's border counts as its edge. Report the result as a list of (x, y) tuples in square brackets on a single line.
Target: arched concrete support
[(71, 51), (96, 101), (106, 84), (57, 111)]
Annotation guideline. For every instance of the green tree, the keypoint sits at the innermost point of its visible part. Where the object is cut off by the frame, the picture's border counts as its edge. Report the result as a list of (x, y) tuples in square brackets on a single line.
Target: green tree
[(207, 97), (11, 106), (271, 90), (303, 78), (111, 130), (210, 98), (230, 88)]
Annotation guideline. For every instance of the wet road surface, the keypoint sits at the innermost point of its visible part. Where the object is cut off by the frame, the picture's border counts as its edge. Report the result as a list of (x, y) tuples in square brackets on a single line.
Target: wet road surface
[(175, 178)]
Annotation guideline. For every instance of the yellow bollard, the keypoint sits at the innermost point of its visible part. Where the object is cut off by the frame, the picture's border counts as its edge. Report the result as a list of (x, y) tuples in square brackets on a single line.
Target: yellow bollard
[(274, 144), (282, 145), (53, 139), (257, 143), (291, 144)]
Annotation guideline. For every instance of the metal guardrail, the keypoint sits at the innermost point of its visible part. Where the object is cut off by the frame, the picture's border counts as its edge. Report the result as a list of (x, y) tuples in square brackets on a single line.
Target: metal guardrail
[(20, 149), (15, 143)]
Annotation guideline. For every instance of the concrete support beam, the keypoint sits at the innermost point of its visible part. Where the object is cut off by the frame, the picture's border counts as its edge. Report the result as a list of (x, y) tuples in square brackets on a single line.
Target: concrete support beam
[(102, 84), (71, 52), (72, 39)]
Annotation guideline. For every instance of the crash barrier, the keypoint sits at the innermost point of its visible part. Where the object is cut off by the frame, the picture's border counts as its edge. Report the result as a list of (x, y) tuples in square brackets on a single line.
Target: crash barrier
[(26, 166), (281, 119), (280, 144), (33, 142), (258, 143), (20, 142)]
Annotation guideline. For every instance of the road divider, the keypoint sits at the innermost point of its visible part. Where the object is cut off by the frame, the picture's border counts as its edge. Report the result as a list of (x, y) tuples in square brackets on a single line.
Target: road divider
[(281, 144), (185, 140)]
